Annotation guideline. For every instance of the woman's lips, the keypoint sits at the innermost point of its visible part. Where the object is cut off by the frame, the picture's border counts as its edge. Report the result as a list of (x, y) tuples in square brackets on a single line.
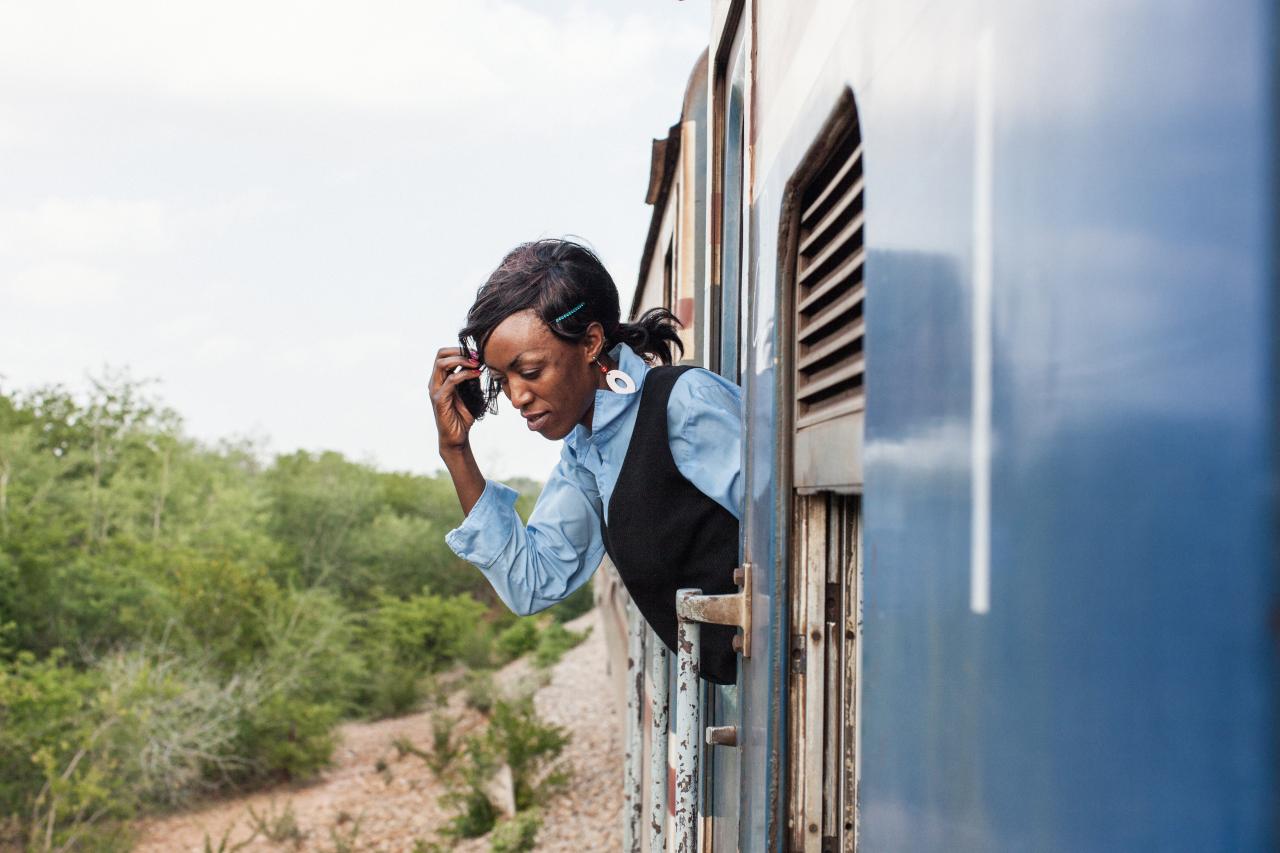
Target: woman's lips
[(535, 422)]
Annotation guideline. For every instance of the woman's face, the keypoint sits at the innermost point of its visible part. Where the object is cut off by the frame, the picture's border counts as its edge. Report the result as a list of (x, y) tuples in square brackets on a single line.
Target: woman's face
[(552, 382)]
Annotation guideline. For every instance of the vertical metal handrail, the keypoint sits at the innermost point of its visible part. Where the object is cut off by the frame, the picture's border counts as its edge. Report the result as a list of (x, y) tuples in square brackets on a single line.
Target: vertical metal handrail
[(633, 769), (661, 704), (688, 726)]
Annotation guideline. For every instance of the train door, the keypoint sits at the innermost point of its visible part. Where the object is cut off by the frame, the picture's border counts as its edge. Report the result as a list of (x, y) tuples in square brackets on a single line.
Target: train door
[(823, 278), (728, 343), (823, 679)]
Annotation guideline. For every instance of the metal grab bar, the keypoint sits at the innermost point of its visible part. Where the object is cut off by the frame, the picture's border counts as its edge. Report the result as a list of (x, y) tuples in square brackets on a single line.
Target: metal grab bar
[(661, 698), (688, 725), (633, 770)]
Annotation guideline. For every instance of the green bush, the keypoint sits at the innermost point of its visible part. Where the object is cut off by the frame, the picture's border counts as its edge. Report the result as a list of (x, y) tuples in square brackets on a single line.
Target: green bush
[(406, 639), (518, 834), (278, 827), (391, 689), (425, 630), (313, 650), (221, 608), (219, 616), (479, 690), (554, 642), (174, 722), (475, 651), (62, 784), (530, 747), (444, 747), (519, 639), (286, 737), (475, 814)]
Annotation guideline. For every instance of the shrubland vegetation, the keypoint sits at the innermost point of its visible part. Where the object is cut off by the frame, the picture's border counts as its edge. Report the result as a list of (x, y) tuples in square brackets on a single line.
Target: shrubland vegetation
[(179, 619)]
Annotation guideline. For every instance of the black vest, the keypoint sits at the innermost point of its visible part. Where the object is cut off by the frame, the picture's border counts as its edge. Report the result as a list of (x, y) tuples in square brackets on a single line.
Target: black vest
[(664, 534)]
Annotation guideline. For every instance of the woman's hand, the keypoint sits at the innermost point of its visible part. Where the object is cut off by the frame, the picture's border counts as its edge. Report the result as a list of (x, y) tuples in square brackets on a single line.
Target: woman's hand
[(453, 419)]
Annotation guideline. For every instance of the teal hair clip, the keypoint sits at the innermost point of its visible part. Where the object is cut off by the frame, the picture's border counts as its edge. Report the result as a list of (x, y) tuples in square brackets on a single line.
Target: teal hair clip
[(567, 313)]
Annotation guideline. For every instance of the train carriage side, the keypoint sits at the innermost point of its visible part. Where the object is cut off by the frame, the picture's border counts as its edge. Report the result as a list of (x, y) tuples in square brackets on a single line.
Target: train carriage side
[(1057, 516), (997, 280)]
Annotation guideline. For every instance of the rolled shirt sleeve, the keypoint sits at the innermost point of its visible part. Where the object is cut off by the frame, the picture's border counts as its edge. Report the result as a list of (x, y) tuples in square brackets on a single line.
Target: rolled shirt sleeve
[(704, 426), (533, 566)]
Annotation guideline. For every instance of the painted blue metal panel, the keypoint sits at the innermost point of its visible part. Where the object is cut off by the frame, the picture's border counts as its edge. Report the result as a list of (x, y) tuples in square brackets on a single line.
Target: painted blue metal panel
[(1121, 692)]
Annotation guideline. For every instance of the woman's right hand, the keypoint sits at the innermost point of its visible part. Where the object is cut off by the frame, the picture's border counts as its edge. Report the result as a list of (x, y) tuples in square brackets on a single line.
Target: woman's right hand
[(453, 419)]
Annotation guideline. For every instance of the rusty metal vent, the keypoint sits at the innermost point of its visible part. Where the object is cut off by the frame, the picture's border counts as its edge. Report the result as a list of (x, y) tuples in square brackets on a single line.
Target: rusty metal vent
[(829, 288)]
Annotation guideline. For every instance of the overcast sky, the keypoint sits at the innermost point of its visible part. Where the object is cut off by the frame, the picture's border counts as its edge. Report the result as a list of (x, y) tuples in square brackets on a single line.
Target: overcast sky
[(281, 209)]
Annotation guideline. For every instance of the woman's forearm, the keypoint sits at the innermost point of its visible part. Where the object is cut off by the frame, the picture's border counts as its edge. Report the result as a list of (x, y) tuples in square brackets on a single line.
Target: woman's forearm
[(468, 482)]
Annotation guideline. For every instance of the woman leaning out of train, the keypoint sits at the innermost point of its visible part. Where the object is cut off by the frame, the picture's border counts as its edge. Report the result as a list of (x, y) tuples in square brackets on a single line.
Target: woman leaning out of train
[(649, 470)]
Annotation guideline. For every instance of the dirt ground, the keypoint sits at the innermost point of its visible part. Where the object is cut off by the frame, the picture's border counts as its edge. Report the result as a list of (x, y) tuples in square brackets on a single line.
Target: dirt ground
[(390, 802)]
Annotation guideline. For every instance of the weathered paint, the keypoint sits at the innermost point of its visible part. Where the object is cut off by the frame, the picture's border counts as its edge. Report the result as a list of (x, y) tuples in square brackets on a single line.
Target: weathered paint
[(688, 727), (633, 764), (660, 702)]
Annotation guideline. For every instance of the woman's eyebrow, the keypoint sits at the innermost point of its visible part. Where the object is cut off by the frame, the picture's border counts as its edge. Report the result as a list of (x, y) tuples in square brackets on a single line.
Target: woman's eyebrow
[(515, 362)]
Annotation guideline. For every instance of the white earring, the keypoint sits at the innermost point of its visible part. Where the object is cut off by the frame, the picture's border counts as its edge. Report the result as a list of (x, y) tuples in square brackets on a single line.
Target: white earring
[(618, 381)]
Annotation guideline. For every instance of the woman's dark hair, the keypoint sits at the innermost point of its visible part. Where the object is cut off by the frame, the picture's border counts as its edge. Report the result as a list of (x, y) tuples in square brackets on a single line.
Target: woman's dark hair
[(552, 276)]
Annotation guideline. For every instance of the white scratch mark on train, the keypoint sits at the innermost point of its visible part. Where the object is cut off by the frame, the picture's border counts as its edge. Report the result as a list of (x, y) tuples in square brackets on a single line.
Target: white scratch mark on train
[(983, 177)]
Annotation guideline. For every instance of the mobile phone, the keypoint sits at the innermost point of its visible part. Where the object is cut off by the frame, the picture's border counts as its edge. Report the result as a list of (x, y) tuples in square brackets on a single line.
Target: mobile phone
[(473, 397)]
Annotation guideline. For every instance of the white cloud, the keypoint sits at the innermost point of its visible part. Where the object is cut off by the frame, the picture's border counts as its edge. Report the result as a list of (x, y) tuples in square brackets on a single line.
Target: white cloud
[(61, 284), (219, 349), (61, 227), (343, 352), (396, 55)]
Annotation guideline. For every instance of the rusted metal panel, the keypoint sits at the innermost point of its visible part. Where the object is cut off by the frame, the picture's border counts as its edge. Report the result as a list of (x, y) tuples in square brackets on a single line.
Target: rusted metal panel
[(633, 804), (660, 698), (688, 727)]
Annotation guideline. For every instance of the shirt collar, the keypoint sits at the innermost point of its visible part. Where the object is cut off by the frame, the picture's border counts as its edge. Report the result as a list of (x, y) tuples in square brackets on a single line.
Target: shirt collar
[(610, 406)]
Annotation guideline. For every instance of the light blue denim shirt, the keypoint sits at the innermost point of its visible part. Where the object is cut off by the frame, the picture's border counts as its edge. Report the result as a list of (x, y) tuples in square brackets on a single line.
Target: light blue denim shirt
[(533, 566)]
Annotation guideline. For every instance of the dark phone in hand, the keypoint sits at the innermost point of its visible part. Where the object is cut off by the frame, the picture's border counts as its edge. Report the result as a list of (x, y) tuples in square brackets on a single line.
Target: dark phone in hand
[(472, 397)]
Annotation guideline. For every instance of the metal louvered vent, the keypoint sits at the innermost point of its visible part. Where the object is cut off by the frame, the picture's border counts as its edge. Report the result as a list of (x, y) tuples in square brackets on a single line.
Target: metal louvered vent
[(829, 288)]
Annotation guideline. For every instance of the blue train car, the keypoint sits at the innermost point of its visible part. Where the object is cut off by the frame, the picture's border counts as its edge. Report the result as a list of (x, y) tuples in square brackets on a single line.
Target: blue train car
[(999, 280)]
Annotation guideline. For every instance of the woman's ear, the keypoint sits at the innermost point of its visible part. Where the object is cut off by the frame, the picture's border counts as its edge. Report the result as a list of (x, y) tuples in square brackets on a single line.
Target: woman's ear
[(593, 341)]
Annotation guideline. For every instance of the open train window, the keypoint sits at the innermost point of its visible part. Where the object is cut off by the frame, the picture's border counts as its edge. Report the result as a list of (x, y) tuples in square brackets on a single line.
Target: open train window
[(822, 278)]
